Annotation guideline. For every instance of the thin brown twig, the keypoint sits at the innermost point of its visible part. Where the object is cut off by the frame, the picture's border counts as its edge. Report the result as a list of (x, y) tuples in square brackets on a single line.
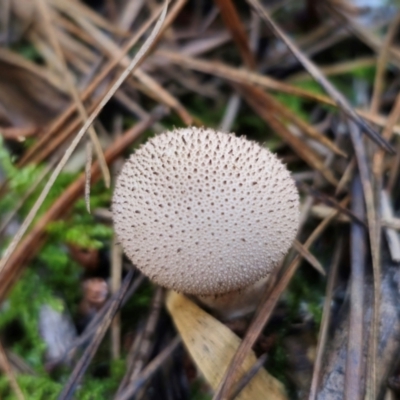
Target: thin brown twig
[(263, 314), (248, 376), (305, 127), (263, 104), (146, 344), (88, 170), (31, 244), (329, 201), (388, 222), (91, 329), (8, 372), (346, 177), (224, 71), (378, 158), (365, 35), (52, 37), (5, 22), (353, 388), (90, 351), (78, 8), (134, 63), (309, 257), (236, 75), (342, 67), (232, 21), (150, 369), (116, 276), (373, 224), (314, 71), (394, 171), (381, 66), (323, 333), (154, 89), (63, 118)]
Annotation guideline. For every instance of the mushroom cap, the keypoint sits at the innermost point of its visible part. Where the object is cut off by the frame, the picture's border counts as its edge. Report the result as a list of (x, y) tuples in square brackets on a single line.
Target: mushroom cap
[(205, 212)]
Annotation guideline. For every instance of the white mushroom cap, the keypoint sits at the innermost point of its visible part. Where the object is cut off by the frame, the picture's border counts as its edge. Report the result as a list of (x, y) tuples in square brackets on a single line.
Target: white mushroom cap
[(204, 212)]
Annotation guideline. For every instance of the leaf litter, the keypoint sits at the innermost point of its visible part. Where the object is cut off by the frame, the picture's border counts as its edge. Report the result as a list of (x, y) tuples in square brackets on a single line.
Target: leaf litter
[(66, 64)]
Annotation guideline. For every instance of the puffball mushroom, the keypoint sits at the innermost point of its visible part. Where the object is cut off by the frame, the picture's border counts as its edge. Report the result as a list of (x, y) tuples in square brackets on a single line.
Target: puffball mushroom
[(205, 213)]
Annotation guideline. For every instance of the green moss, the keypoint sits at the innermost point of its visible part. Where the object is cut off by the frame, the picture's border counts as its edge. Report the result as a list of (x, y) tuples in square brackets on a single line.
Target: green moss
[(102, 388), (305, 295), (278, 364), (52, 275), (208, 111), (28, 51), (22, 308), (33, 388), (41, 387), (197, 392)]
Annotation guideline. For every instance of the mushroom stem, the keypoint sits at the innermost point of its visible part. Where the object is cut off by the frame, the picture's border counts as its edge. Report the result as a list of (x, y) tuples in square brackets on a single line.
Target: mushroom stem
[(236, 304)]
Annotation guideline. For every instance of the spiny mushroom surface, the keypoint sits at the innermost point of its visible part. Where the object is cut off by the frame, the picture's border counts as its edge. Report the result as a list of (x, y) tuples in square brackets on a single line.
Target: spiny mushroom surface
[(204, 212)]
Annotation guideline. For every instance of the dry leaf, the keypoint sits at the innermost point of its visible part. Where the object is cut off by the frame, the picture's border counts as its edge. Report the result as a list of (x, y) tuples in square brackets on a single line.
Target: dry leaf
[(212, 346)]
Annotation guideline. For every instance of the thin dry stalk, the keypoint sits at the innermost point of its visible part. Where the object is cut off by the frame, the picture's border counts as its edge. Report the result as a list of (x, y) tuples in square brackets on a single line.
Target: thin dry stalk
[(254, 331), (129, 13), (340, 68), (8, 372), (245, 380), (264, 106), (91, 329), (146, 344), (390, 224), (230, 114), (305, 127), (65, 23), (373, 224), (52, 36), (346, 177), (323, 332), (353, 388), (263, 314), (116, 276), (149, 371), (224, 71), (381, 66), (366, 35), (377, 170), (134, 63), (238, 32), (112, 50), (321, 211), (309, 257), (394, 171), (5, 21), (378, 158), (33, 241), (314, 71), (88, 170), (131, 356), (63, 118), (330, 201), (77, 8), (90, 351)]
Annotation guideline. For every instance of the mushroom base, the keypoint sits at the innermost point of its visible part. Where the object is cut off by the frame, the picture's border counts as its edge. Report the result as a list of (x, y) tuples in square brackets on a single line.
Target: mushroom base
[(236, 304)]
